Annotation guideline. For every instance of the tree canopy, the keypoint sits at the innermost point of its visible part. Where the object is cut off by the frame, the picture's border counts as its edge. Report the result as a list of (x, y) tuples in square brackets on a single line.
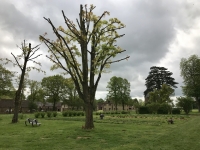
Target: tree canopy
[(157, 77), (84, 50), (54, 88), (119, 90), (6, 86), (190, 71)]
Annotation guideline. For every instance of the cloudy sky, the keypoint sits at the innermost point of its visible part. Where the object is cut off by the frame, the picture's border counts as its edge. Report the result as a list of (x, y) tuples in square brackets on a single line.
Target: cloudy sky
[(157, 33)]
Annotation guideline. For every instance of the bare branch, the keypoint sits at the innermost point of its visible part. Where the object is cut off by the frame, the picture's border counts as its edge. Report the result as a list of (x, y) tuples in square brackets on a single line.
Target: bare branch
[(119, 60), (17, 61)]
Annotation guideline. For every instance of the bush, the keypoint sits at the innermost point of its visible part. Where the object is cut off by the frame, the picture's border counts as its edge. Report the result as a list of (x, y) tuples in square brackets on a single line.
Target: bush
[(82, 113), (42, 114), (64, 113), (143, 110), (125, 112), (55, 114), (176, 111), (164, 109), (49, 114), (153, 107), (37, 114)]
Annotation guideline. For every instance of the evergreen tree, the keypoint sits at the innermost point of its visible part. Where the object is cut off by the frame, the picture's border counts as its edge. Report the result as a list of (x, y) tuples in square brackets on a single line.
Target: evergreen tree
[(157, 77)]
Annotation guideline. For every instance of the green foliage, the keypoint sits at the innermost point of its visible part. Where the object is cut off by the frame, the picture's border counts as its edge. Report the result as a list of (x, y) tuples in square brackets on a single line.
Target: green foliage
[(164, 109), (125, 112), (42, 114), (143, 110), (37, 114), (119, 90), (157, 77), (49, 114), (64, 113), (185, 103), (153, 107), (32, 106), (161, 95), (55, 113), (176, 111), (54, 88), (190, 71), (6, 86)]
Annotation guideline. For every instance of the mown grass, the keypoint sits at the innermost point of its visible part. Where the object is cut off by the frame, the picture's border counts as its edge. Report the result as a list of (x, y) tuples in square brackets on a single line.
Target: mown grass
[(116, 132)]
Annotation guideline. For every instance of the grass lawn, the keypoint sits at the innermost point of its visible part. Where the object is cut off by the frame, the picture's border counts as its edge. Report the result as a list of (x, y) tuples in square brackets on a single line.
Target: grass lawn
[(116, 132)]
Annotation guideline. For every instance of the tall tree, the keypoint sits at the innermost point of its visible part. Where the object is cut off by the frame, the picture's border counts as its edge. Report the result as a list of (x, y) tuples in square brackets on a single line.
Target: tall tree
[(27, 54), (119, 90), (6, 85), (190, 71), (54, 88), (85, 72), (157, 77)]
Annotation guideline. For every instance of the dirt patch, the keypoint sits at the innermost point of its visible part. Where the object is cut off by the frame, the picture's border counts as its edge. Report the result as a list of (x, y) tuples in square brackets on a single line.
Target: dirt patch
[(83, 137)]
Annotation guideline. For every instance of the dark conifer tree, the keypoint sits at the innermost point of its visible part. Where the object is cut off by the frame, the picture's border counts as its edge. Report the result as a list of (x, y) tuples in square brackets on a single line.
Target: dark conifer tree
[(157, 77)]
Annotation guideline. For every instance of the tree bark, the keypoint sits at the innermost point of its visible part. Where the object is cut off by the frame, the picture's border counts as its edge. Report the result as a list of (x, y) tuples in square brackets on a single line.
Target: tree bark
[(89, 124), (198, 103)]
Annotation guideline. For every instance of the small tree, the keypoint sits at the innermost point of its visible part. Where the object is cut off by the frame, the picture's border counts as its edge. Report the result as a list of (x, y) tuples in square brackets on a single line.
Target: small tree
[(186, 103), (85, 72), (28, 54)]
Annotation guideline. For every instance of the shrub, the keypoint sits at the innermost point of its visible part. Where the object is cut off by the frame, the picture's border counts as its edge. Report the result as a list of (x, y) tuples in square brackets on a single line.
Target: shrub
[(143, 110), (125, 112), (55, 114), (37, 114), (70, 113), (153, 107), (64, 113), (164, 109), (49, 114), (42, 114), (176, 111), (82, 113)]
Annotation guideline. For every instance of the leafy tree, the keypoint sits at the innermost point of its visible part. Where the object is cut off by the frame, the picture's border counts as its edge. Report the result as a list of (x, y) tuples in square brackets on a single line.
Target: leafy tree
[(28, 54), (119, 90), (113, 90), (54, 88), (34, 87), (85, 66), (6, 86), (186, 103), (157, 77), (162, 95), (190, 71), (71, 97)]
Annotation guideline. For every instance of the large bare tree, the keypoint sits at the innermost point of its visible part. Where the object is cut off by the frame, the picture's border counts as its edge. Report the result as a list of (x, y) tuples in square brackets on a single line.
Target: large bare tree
[(28, 54), (85, 66)]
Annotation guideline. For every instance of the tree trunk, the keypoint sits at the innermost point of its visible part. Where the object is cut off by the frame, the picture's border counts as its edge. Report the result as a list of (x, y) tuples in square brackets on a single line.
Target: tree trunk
[(16, 108), (198, 103), (89, 124)]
